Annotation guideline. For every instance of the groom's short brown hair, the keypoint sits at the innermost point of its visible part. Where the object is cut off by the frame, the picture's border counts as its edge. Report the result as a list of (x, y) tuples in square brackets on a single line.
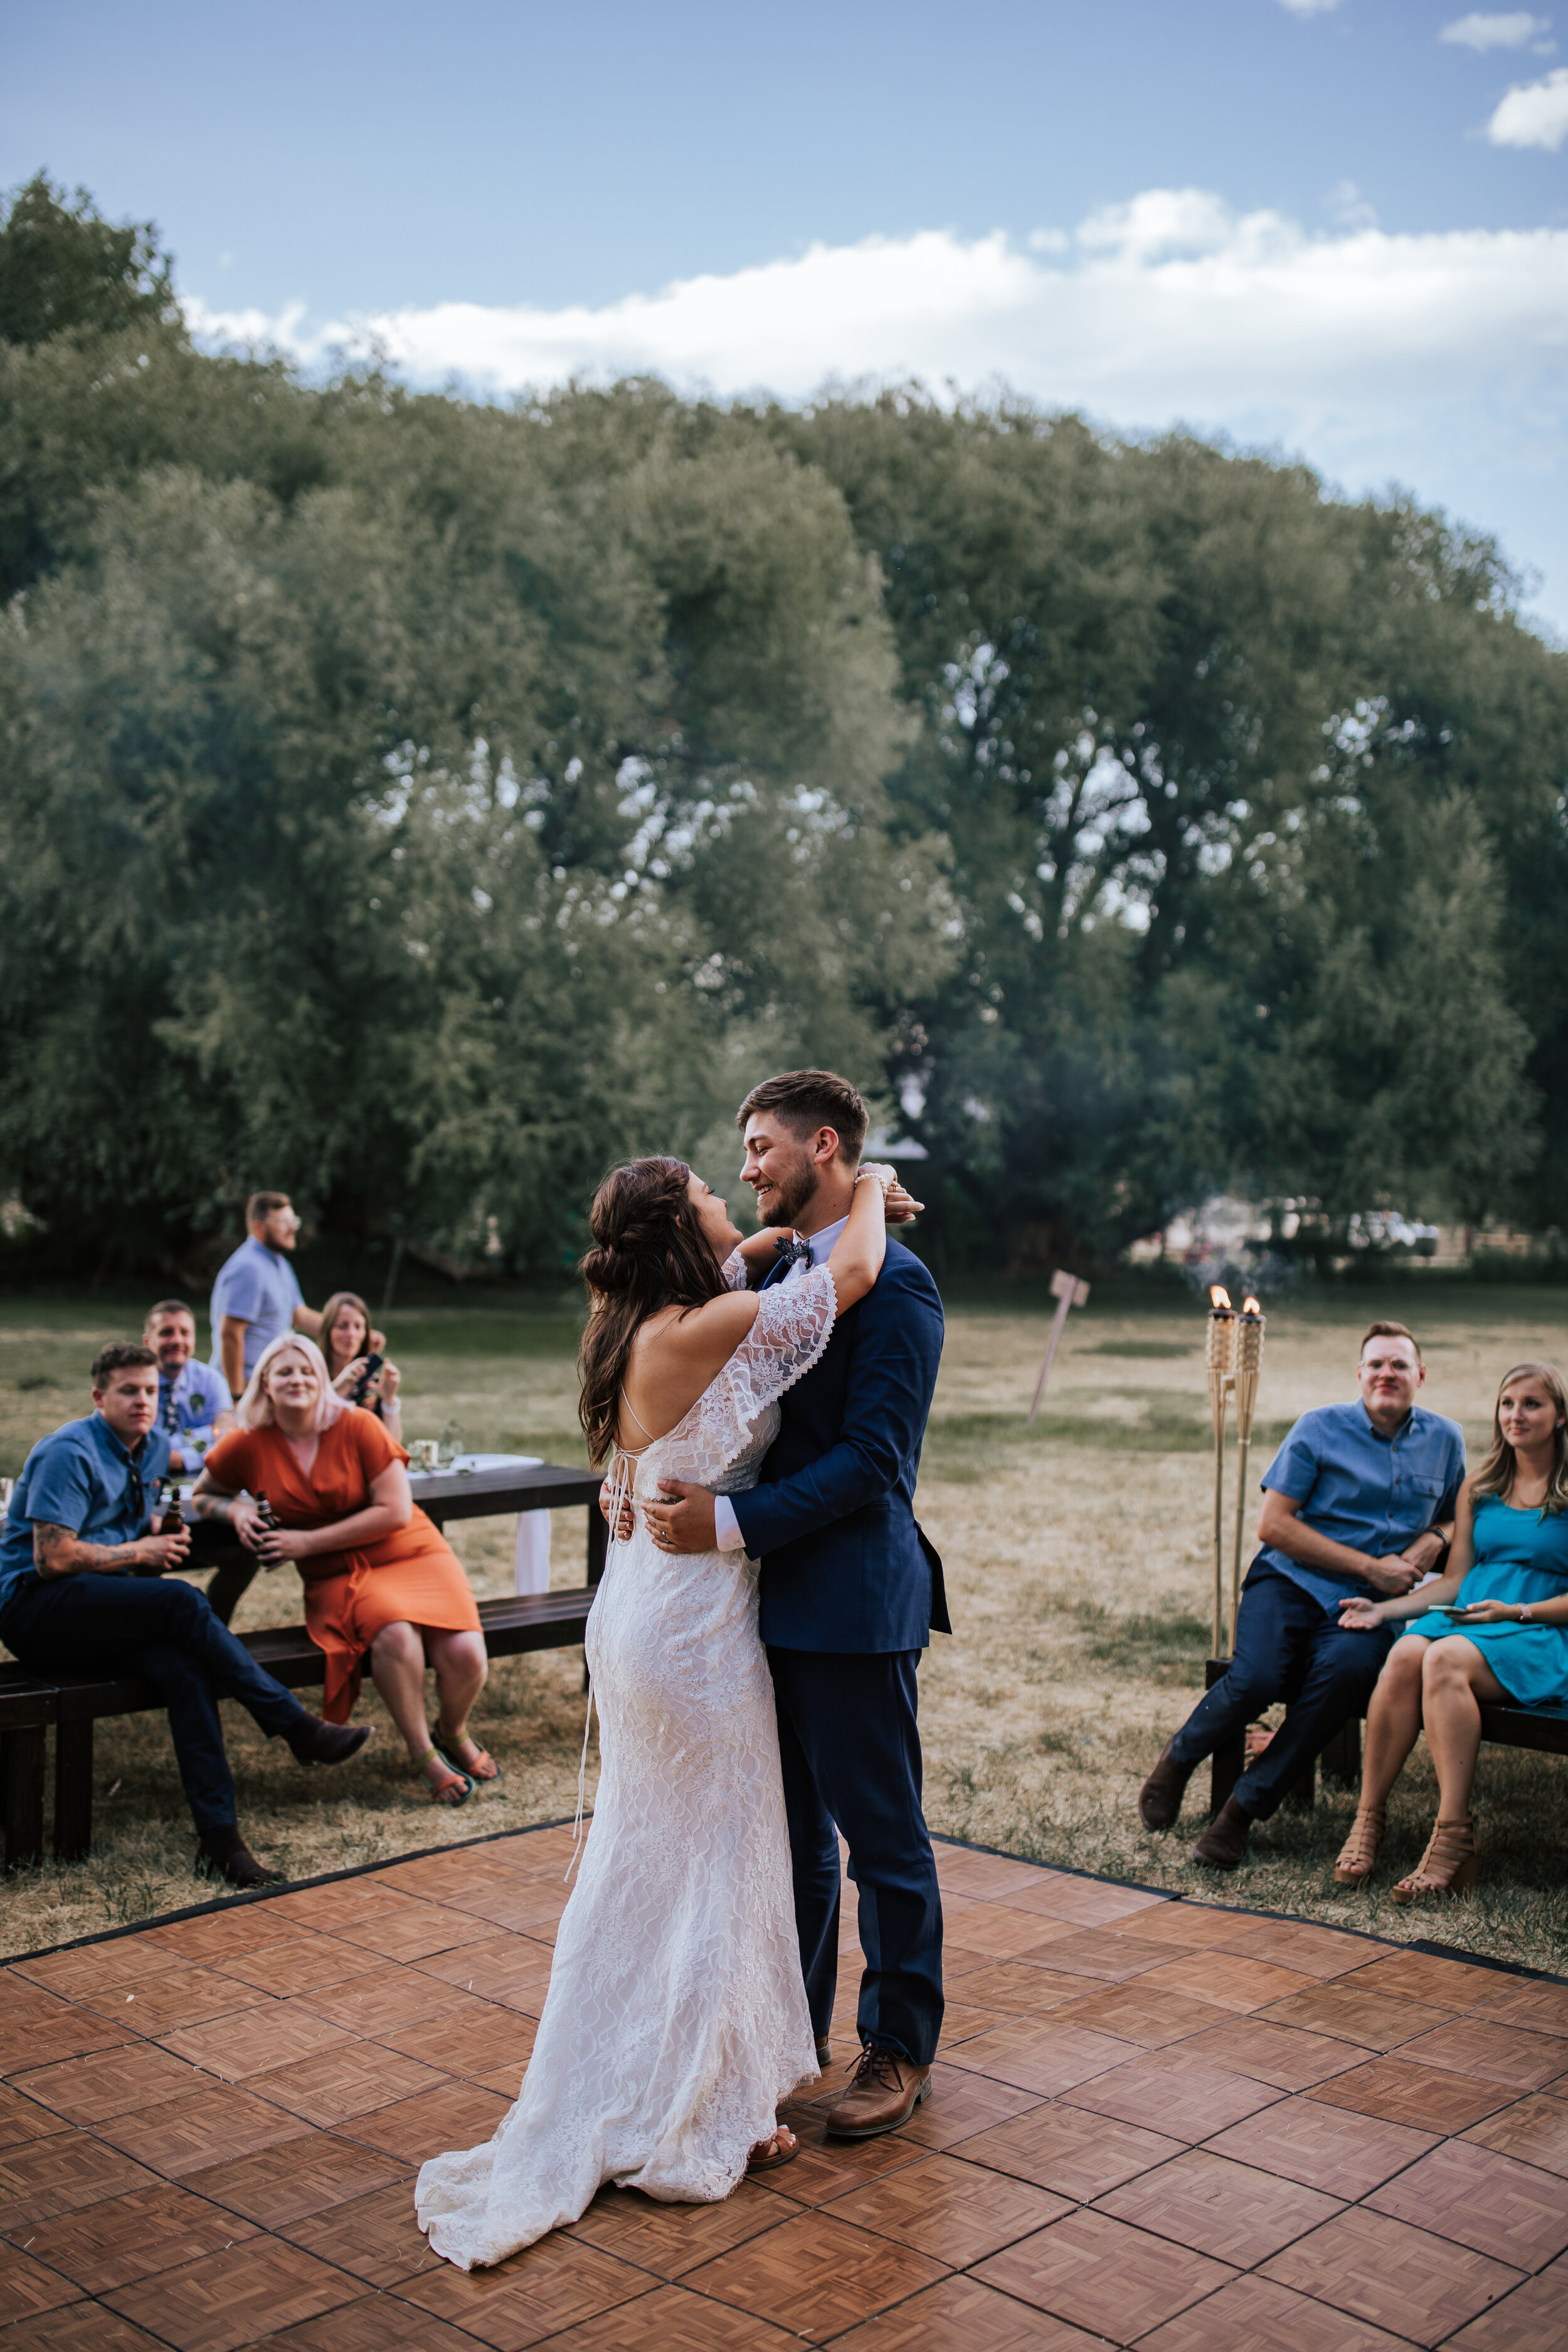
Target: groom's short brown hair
[(807, 1099)]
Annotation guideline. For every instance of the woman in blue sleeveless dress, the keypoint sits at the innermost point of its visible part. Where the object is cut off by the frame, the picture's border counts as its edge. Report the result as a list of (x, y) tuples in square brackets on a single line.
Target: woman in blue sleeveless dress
[(1495, 1626)]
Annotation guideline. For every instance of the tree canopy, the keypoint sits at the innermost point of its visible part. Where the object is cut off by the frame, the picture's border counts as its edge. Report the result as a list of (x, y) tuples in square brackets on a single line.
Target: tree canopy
[(417, 801)]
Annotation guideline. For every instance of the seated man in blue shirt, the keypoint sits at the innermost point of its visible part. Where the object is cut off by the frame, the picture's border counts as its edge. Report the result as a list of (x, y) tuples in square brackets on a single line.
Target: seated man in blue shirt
[(82, 1590), (193, 1405), (1359, 1499)]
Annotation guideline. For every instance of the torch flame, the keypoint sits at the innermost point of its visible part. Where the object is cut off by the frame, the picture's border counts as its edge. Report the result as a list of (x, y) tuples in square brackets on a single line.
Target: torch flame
[(1219, 1300), (1250, 1307)]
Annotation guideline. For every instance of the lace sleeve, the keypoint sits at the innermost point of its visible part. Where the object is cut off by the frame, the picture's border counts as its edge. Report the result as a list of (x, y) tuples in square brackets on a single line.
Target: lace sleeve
[(794, 1322), (734, 1271)]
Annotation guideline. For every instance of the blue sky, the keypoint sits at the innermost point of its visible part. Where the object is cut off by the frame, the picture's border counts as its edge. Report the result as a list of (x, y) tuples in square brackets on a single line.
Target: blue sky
[(1288, 221)]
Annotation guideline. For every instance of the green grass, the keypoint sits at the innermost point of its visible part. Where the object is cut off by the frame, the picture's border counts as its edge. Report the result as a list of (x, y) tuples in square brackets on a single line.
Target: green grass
[(1079, 1566)]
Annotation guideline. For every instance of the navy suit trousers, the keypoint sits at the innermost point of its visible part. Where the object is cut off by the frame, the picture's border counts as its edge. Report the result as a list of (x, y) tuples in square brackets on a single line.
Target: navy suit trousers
[(164, 1631), (1286, 1647), (851, 1757)]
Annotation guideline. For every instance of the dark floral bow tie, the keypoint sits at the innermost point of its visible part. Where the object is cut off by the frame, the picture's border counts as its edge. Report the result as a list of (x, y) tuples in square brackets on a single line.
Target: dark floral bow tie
[(794, 1251)]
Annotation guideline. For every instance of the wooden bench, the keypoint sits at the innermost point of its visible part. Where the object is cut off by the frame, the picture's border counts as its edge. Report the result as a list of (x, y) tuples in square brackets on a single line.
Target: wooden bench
[(71, 1703), (1542, 1728)]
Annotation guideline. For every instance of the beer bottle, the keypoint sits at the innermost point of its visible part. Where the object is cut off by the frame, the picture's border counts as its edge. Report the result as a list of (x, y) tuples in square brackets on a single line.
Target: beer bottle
[(173, 1520)]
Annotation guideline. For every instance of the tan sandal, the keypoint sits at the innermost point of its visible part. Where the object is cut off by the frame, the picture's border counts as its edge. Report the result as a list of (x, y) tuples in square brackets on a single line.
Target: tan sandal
[(1358, 1856), (454, 1791), (770, 2153), (1450, 1865)]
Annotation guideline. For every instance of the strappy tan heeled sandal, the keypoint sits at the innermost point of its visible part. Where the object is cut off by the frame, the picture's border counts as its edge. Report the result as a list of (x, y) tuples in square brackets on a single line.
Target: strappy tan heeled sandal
[(770, 2153), (1450, 1865), (1358, 1856)]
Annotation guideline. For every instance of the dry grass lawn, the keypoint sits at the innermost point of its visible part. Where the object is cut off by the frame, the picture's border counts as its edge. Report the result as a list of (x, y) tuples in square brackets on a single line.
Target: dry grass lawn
[(1079, 1566)]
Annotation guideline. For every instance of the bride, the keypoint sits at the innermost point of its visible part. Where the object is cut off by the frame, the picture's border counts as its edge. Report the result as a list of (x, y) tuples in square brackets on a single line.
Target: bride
[(676, 2019)]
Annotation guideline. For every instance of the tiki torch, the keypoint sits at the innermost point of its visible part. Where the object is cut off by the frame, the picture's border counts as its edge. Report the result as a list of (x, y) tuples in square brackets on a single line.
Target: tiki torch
[(1220, 1352), (1247, 1361)]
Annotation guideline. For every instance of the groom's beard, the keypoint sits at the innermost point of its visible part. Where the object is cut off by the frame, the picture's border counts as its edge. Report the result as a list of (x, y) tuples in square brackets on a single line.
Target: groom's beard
[(787, 1200)]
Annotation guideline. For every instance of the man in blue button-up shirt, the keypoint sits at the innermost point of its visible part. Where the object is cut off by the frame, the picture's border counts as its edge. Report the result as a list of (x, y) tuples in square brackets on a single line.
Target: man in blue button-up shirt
[(1358, 1500), (75, 1549)]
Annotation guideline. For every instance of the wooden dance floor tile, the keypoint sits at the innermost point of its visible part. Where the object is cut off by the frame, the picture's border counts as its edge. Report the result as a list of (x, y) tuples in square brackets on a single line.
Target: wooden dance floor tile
[(1332, 2148), (1403, 2279), (817, 2275), (670, 2240), (1099, 2274), (336, 2086), (110, 2083), (1079, 2155), (961, 2312), (132, 2237), (1534, 2318), (28, 2287), (1483, 2199), (1154, 2123), (1257, 2314), (955, 2212), (1535, 2130), (1167, 2091), (1229, 2210)]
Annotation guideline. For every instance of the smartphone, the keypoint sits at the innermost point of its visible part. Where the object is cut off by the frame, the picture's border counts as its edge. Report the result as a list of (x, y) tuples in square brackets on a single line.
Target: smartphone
[(373, 1364)]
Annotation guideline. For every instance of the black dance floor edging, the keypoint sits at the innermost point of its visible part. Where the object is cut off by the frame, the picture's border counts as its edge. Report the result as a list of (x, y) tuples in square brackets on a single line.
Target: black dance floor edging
[(1430, 1949)]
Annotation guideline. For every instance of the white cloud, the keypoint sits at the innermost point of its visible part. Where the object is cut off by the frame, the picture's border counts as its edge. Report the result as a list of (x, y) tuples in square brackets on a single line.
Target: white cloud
[(1439, 359), (1515, 30), (1534, 114), (1167, 305)]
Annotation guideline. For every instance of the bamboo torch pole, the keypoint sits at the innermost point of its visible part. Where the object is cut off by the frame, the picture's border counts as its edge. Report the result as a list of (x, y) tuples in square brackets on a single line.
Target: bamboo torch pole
[(1248, 1362), (1219, 1353)]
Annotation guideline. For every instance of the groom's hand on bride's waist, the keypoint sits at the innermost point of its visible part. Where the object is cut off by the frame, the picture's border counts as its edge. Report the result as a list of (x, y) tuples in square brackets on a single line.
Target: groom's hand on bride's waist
[(682, 1518)]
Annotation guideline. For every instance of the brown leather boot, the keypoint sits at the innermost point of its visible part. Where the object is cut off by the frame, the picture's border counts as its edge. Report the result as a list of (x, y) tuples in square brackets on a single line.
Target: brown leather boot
[(222, 1854), (1223, 1844), (885, 2092), (1160, 1798)]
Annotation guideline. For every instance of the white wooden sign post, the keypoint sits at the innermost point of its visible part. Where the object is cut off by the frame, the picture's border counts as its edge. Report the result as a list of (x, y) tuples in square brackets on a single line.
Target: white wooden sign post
[(1069, 1292)]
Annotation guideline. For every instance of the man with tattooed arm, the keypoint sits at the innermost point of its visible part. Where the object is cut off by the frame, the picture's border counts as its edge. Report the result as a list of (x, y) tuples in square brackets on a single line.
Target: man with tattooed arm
[(83, 1590)]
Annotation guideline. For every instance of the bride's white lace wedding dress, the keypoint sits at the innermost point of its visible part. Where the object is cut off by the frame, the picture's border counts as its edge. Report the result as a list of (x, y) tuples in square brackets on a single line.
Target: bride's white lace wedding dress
[(675, 2018)]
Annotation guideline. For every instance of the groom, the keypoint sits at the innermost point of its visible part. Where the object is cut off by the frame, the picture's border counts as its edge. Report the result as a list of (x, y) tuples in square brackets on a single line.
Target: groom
[(850, 1590)]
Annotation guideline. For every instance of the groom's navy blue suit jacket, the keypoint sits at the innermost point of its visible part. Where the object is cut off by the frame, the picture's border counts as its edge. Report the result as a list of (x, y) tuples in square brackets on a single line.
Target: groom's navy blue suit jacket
[(844, 1564)]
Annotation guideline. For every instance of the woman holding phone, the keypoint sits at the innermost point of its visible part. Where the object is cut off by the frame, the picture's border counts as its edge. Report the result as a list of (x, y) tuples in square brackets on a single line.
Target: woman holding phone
[(1494, 1627), (355, 1366)]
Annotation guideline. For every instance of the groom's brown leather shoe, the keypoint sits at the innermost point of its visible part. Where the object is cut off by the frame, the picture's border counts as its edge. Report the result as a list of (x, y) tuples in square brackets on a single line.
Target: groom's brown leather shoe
[(1160, 1798), (885, 2092)]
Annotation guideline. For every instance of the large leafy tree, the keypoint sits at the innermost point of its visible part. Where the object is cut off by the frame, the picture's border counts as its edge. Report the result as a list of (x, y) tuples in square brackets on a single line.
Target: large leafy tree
[(417, 801)]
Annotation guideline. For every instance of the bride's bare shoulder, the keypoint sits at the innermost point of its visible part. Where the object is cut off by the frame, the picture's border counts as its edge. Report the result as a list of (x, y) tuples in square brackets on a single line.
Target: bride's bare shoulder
[(707, 1334)]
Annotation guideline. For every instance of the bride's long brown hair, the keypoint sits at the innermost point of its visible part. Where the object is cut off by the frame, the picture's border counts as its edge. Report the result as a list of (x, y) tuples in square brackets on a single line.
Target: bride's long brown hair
[(649, 1251)]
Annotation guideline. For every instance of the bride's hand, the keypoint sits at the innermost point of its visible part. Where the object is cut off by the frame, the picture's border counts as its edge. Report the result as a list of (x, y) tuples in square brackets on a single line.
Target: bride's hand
[(899, 1207), (623, 1532)]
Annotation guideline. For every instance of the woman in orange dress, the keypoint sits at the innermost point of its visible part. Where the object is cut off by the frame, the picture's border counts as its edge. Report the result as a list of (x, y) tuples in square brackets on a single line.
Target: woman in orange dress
[(378, 1577)]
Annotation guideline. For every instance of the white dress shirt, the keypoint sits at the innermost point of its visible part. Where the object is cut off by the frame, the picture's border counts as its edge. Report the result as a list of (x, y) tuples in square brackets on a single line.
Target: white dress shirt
[(726, 1527)]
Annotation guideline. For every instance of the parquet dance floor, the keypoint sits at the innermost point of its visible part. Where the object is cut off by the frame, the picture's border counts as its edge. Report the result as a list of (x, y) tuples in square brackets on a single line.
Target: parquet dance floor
[(1155, 2123)]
